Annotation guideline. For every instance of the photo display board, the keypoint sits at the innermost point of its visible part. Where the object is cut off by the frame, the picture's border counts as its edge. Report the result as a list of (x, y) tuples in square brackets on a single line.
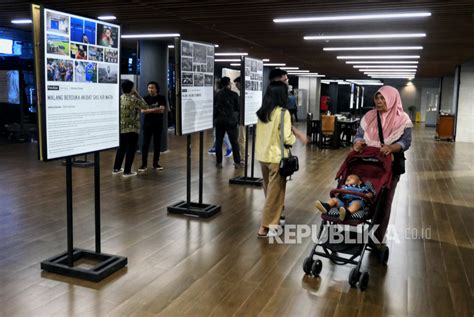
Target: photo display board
[(196, 94), (81, 59), (10, 86), (253, 70)]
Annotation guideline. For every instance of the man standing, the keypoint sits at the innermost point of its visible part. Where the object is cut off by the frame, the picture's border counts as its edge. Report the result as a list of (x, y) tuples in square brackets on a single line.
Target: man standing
[(242, 131), (226, 119), (153, 126)]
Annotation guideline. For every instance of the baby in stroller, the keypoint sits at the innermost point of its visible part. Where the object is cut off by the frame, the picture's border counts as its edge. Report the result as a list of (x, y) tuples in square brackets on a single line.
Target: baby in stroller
[(347, 202)]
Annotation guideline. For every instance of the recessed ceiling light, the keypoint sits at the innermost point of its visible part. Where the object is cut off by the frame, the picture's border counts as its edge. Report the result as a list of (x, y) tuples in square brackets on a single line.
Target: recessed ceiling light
[(386, 70), (106, 17), (265, 60), (217, 45), (287, 68), (231, 54), (150, 35), (363, 36), (227, 60), (382, 62), (274, 64), (394, 77), (355, 17), (234, 64), (374, 48), (170, 46), (385, 66), (378, 57), (21, 21), (306, 74)]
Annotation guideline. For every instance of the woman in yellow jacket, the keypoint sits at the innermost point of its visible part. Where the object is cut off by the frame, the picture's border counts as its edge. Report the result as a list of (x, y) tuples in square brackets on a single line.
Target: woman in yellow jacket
[(268, 151)]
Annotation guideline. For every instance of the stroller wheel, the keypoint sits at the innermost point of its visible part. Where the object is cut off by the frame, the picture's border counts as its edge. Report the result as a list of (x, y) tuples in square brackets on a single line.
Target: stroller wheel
[(307, 265), (384, 254), (354, 277), (364, 281), (316, 267)]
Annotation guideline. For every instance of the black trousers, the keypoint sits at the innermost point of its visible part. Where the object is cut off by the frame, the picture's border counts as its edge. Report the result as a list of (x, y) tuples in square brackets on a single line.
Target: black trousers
[(233, 133), (127, 149), (155, 131)]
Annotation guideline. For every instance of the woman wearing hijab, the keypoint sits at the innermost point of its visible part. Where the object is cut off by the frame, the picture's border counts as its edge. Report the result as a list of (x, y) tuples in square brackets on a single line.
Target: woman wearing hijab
[(396, 126)]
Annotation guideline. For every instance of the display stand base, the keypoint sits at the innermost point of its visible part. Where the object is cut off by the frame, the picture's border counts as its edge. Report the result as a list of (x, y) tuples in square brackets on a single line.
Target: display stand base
[(107, 264), (242, 180), (194, 209)]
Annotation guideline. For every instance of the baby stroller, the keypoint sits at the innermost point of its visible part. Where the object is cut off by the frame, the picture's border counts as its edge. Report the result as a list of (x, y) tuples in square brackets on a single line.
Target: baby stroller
[(371, 166)]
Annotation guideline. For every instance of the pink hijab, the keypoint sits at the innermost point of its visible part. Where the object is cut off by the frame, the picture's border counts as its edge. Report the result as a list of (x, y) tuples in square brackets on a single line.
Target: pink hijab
[(394, 120)]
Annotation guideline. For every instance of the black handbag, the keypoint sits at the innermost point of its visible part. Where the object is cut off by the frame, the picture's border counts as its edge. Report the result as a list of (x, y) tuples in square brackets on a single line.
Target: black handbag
[(398, 164), (290, 164)]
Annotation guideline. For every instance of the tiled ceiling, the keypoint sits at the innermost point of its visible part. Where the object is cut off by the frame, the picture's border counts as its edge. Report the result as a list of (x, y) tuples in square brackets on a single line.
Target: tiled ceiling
[(248, 26)]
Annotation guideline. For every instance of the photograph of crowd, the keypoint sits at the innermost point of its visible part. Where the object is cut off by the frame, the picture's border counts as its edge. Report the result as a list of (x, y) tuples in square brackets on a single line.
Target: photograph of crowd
[(95, 53), (59, 69), (57, 44), (86, 72), (110, 55), (108, 73), (78, 51), (199, 54)]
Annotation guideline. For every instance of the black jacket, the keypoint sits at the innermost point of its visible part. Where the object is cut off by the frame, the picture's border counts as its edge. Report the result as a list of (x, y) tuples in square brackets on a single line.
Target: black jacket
[(226, 108)]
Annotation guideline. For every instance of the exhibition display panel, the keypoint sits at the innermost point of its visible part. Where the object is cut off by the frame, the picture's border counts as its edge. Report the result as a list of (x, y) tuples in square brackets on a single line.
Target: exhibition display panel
[(251, 95), (194, 113), (77, 72)]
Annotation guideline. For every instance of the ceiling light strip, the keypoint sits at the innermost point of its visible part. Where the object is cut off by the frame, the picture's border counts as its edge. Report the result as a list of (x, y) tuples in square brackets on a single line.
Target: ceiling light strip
[(363, 36), (385, 66), (354, 17), (378, 56), (150, 35), (381, 62), (231, 54), (374, 48)]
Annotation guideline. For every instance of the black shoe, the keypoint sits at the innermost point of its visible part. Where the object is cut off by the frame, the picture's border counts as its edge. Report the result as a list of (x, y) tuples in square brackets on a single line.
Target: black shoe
[(142, 168), (219, 165), (323, 207), (158, 167)]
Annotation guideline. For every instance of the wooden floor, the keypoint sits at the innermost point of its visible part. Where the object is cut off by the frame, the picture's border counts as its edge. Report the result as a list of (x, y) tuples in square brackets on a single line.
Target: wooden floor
[(193, 267)]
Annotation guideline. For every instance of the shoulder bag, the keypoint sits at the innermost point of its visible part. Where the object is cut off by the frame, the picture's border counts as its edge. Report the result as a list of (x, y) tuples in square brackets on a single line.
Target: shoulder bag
[(290, 164)]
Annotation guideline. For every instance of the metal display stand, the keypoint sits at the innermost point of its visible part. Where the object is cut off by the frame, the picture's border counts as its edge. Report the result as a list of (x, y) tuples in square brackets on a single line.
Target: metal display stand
[(189, 208), (248, 180), (105, 264)]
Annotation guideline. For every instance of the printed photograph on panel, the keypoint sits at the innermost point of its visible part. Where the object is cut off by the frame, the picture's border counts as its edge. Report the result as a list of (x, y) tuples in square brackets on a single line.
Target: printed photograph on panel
[(210, 51), (187, 79), (95, 54), (58, 23), (186, 64), (107, 35), (198, 80), (186, 49), (247, 71), (208, 80), (111, 55), (86, 72), (57, 44), (196, 68), (60, 69), (248, 85), (108, 73), (259, 66), (199, 54), (253, 66), (210, 65), (78, 51), (82, 31)]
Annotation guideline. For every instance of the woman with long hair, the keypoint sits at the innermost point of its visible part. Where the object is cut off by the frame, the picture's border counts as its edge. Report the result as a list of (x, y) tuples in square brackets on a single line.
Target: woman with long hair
[(268, 151)]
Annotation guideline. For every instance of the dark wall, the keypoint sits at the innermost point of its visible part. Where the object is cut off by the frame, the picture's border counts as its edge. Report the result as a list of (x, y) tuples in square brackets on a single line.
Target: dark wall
[(343, 98), (154, 67)]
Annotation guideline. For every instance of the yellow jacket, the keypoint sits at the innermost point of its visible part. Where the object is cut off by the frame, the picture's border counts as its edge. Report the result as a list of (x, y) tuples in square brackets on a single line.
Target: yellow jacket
[(267, 146)]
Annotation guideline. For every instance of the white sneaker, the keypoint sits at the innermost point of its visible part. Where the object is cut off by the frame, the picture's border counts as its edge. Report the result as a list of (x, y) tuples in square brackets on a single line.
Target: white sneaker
[(115, 172), (129, 174)]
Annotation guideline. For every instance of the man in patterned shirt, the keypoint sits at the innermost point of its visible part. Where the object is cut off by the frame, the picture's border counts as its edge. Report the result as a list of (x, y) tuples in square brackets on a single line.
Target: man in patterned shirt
[(131, 104)]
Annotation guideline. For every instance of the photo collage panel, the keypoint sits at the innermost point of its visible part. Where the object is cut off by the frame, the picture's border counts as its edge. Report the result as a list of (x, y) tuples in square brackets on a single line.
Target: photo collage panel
[(81, 50), (253, 75), (197, 64)]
